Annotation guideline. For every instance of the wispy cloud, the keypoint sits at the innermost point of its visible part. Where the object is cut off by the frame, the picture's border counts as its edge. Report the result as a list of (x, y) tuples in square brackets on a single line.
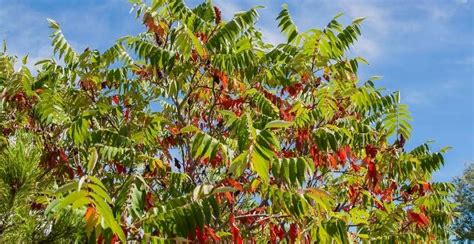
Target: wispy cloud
[(21, 33), (228, 8), (23, 25), (429, 95), (464, 61), (426, 46)]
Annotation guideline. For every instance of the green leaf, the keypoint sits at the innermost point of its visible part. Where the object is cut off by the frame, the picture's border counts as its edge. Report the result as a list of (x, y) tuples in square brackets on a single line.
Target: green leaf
[(53, 24), (261, 166), (189, 129), (24, 60), (286, 24), (104, 210), (70, 199), (93, 157), (278, 124), (196, 43), (137, 200), (239, 164), (100, 192)]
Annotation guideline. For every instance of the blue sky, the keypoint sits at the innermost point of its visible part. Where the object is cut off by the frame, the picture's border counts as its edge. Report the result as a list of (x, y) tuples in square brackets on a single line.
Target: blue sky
[(425, 49)]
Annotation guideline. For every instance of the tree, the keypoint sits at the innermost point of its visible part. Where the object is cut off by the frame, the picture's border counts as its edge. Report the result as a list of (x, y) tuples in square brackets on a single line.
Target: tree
[(198, 130), (22, 182), (464, 196)]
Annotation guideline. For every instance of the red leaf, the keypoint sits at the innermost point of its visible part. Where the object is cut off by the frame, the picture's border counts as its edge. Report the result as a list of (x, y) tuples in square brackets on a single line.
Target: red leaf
[(234, 230), (114, 239), (379, 206), (79, 171), (210, 232), (354, 193), (149, 201), (366, 160), (419, 218), (273, 98), (200, 235), (355, 167), (371, 151), (293, 90), (70, 172), (387, 194), (294, 232), (302, 136), (276, 232), (126, 114), (194, 55), (120, 168), (287, 154), (286, 115), (273, 233), (216, 160), (221, 77), (342, 155), (233, 183), (313, 151), (100, 239), (218, 13), (372, 173), (62, 156), (202, 36), (227, 102), (115, 99)]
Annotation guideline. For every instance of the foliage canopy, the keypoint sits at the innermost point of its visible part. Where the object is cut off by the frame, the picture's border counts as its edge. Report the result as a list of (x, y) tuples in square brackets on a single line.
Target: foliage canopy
[(199, 130), (463, 226)]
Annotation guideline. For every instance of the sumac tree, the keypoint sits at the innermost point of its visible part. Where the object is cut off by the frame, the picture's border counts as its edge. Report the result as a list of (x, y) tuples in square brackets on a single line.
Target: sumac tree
[(197, 130)]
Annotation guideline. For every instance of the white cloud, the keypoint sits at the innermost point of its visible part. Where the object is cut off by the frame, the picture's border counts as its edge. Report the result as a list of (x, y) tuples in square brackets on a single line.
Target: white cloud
[(378, 19), (228, 8), (272, 35), (385, 24), (368, 48), (428, 96), (83, 25), (464, 61), (22, 35)]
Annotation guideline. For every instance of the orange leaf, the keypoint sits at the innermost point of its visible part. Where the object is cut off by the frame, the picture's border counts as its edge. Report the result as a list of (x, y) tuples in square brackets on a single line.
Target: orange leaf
[(90, 214), (91, 218), (229, 197), (174, 130), (425, 186), (234, 184), (305, 77), (333, 161)]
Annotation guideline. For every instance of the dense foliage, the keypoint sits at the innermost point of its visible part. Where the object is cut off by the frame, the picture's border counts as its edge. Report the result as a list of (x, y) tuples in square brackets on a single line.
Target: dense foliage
[(198, 130), (463, 225)]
